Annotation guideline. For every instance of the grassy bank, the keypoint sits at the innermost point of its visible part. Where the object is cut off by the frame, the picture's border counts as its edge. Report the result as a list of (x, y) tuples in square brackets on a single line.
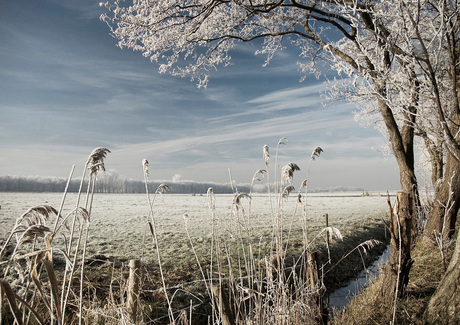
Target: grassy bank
[(425, 276)]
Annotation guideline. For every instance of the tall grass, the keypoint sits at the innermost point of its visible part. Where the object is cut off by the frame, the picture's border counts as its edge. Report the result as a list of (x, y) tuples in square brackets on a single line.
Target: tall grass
[(239, 278), (35, 291), (261, 282)]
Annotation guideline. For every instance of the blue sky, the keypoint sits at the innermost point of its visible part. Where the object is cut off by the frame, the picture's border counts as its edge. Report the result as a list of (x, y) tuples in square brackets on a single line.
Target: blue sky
[(65, 89)]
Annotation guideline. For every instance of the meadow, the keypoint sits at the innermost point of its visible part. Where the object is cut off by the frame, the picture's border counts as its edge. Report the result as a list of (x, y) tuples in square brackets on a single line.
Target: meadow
[(186, 225), (157, 258), (119, 221)]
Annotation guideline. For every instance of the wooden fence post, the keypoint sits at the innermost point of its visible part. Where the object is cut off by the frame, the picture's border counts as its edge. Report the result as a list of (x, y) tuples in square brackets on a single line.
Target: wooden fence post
[(326, 216), (133, 288), (316, 287), (223, 306)]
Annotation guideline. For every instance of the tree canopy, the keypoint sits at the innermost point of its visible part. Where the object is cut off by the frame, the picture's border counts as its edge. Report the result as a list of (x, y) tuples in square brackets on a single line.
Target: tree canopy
[(399, 57)]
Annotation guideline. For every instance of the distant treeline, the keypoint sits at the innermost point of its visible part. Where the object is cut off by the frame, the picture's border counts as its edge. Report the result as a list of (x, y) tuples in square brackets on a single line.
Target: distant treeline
[(110, 184)]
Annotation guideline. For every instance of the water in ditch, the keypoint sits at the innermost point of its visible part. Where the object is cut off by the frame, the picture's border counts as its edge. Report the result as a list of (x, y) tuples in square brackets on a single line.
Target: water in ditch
[(341, 297)]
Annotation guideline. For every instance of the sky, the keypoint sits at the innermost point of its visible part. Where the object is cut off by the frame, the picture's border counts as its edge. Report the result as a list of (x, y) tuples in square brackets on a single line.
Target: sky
[(66, 88)]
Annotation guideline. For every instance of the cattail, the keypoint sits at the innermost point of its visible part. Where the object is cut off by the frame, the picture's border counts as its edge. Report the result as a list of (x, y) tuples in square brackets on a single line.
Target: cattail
[(288, 172), (316, 153), (266, 155)]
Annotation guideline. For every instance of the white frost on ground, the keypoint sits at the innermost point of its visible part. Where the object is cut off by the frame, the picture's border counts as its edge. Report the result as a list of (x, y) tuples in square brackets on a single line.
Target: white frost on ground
[(119, 221)]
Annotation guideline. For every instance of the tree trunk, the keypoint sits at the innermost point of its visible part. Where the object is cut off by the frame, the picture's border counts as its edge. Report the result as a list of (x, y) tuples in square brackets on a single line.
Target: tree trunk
[(446, 203), (402, 144), (444, 305), (396, 272)]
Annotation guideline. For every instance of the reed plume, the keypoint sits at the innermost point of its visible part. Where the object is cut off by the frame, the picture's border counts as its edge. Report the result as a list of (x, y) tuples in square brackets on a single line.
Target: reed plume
[(365, 246), (304, 184), (162, 188), (31, 224), (96, 160), (287, 190), (153, 231), (239, 196), (145, 165), (256, 178), (287, 172), (316, 152), (281, 142), (266, 155)]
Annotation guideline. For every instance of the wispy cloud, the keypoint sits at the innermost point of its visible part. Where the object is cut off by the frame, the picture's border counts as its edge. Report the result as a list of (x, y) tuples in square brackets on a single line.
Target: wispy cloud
[(66, 89), (306, 98)]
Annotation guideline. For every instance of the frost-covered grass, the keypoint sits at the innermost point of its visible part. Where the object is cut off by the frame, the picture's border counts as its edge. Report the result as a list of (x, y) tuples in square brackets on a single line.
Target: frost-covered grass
[(258, 251), (119, 221), (243, 238)]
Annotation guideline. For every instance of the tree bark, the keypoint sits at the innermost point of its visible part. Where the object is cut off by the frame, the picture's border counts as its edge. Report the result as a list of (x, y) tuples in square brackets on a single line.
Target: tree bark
[(444, 305), (396, 272), (446, 202), (402, 144)]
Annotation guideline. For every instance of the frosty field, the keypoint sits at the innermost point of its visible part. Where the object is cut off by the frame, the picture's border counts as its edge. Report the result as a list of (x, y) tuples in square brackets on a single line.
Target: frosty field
[(119, 221)]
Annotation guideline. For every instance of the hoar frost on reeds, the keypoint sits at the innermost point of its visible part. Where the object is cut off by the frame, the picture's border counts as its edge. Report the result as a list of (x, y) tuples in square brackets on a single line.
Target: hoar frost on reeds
[(153, 229), (48, 297), (242, 276), (261, 286)]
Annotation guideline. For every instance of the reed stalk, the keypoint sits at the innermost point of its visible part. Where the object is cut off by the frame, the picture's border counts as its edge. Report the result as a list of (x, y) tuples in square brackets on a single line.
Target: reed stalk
[(153, 231)]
